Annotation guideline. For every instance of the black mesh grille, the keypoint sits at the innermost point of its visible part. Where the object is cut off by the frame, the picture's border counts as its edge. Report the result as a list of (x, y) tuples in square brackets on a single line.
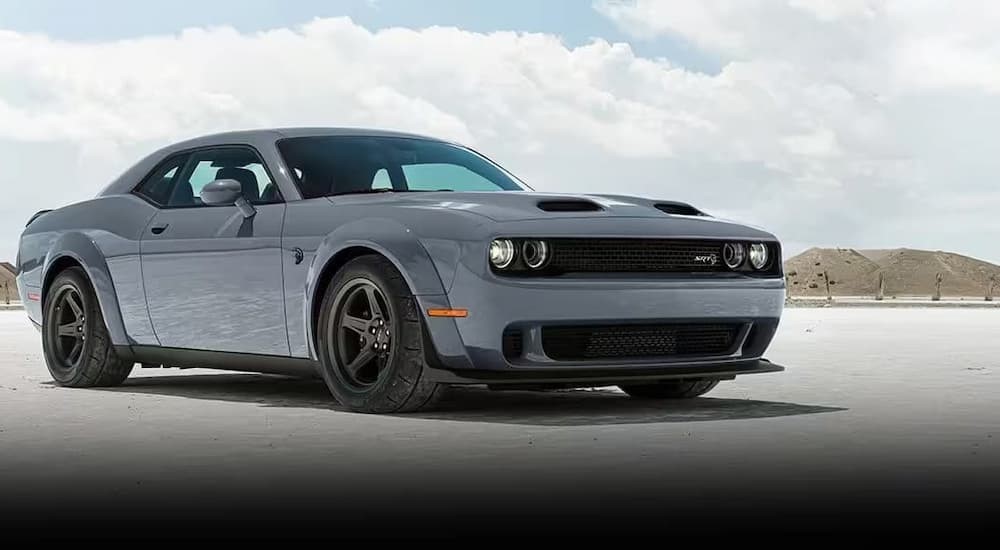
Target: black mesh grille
[(582, 343), (513, 343), (634, 255)]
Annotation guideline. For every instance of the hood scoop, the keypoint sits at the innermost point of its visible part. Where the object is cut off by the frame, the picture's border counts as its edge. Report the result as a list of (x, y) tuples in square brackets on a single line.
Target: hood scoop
[(569, 205), (678, 208)]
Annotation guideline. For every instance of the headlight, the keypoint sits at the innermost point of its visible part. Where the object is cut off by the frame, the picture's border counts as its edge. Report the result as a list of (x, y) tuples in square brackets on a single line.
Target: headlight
[(534, 253), (758, 255), (502, 253), (733, 254)]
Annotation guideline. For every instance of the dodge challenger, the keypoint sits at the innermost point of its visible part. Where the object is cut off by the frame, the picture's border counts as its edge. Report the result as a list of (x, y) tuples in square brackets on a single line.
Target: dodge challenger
[(392, 266)]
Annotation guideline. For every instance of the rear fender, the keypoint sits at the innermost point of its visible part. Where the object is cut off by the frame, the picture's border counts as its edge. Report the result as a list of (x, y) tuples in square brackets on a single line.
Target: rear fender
[(82, 250)]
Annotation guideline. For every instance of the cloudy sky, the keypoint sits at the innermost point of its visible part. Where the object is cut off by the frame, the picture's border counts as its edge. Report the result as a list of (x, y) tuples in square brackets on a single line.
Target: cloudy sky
[(856, 123)]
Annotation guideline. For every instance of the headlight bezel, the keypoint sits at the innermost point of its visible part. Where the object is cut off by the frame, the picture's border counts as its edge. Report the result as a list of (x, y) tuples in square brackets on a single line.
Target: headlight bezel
[(524, 261)]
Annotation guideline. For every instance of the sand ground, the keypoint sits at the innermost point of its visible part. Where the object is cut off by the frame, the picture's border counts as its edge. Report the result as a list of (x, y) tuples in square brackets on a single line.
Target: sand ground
[(899, 401)]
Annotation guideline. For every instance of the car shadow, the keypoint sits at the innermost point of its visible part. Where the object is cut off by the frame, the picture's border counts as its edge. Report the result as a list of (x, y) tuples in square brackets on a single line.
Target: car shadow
[(585, 407)]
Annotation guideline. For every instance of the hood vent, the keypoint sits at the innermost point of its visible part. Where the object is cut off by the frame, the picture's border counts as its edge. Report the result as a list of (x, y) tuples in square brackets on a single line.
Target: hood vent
[(569, 206), (679, 208)]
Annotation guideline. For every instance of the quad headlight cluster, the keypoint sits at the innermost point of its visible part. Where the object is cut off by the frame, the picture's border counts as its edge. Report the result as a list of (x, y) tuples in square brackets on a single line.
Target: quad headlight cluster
[(735, 254), (518, 253)]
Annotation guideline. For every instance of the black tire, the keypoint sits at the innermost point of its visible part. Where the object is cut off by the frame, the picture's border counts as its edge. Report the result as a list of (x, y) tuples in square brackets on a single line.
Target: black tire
[(86, 358), (395, 380), (674, 389)]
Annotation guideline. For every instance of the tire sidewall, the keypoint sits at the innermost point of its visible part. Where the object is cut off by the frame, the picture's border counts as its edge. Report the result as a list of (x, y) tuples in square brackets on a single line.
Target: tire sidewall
[(343, 390), (69, 279)]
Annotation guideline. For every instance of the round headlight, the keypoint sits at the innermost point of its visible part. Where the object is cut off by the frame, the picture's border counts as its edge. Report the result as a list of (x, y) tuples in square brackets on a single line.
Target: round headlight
[(758, 255), (733, 254), (501, 253), (534, 253)]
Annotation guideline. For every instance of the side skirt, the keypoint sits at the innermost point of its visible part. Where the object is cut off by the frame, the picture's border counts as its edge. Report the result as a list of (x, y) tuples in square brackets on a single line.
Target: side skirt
[(202, 359)]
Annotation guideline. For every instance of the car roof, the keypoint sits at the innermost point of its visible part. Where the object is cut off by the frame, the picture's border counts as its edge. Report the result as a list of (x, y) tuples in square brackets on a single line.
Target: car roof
[(275, 134), (126, 181)]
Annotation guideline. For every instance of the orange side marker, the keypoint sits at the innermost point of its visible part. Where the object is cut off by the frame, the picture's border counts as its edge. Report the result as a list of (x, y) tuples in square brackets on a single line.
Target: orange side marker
[(443, 312)]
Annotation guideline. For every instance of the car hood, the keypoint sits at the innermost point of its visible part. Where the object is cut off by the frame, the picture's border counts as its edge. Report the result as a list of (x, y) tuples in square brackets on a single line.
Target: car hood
[(553, 213), (505, 206)]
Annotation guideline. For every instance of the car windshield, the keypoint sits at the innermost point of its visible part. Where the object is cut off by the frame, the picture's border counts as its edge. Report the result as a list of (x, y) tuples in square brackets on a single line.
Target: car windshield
[(339, 165)]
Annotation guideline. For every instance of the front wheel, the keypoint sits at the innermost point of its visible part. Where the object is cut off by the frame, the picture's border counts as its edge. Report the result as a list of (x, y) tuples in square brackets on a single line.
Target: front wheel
[(77, 347), (674, 389), (371, 340)]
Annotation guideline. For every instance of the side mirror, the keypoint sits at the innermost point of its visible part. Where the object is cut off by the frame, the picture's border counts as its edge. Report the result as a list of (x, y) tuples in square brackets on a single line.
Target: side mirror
[(226, 192), (221, 192)]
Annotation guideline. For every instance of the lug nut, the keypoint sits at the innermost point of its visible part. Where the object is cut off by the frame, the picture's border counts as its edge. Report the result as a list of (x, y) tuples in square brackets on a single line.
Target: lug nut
[(385, 347)]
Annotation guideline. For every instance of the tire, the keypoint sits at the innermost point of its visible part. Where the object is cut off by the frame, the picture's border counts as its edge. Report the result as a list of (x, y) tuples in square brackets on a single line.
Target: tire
[(676, 389), (395, 380), (85, 358)]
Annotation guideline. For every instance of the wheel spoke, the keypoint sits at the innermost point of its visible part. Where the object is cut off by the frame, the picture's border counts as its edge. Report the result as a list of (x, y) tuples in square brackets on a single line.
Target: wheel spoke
[(364, 357), (356, 324), (68, 329), (71, 302), (373, 305), (74, 353)]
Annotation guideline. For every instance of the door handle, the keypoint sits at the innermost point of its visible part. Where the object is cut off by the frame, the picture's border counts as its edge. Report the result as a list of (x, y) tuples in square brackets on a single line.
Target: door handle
[(157, 229)]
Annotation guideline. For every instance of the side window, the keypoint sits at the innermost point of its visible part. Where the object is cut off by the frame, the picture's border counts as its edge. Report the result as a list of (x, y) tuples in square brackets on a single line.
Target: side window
[(235, 163), (441, 177), (158, 185)]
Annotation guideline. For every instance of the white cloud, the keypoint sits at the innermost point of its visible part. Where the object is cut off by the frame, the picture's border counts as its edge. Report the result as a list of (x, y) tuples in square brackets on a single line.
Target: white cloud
[(828, 123)]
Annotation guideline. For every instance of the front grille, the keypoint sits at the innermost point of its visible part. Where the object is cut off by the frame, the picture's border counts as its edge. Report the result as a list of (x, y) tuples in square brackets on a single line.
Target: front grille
[(634, 256), (585, 343)]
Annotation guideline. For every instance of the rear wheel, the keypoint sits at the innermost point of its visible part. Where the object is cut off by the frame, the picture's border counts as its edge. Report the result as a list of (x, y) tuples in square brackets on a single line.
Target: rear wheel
[(371, 340), (78, 350), (674, 389)]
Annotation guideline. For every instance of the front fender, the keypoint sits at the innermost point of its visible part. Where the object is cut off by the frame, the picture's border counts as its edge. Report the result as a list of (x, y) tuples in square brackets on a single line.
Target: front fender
[(82, 249), (396, 242)]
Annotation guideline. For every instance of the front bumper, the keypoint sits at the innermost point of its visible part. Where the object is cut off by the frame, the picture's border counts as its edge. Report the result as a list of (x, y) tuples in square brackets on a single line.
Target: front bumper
[(474, 343)]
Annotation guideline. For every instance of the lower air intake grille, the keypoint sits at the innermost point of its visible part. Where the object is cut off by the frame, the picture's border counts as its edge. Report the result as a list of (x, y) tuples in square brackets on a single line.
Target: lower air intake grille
[(584, 343), (513, 343)]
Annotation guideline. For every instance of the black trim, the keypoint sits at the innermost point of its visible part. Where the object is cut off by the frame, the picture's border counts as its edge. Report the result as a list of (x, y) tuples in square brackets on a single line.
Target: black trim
[(202, 359), (603, 376)]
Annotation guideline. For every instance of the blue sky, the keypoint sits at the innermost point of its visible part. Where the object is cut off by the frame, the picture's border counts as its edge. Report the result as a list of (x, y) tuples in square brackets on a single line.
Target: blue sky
[(870, 118), (576, 21)]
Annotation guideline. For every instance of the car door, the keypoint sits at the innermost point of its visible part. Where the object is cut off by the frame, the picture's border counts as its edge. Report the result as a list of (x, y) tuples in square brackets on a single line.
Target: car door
[(212, 274)]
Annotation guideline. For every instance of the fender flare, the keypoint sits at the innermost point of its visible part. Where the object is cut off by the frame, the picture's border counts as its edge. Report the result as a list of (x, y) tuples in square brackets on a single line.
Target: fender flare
[(82, 250), (387, 237)]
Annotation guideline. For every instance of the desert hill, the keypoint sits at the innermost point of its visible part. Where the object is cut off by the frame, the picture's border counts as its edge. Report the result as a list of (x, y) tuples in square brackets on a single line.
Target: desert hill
[(907, 272), (7, 278), (850, 272)]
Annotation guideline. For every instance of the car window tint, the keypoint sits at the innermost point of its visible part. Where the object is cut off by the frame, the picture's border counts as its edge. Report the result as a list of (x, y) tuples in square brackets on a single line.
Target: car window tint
[(234, 163), (158, 185), (450, 177), (335, 165)]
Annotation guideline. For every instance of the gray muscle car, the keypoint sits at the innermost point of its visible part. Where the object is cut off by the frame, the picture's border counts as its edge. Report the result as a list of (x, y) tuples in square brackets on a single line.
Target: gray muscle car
[(392, 265)]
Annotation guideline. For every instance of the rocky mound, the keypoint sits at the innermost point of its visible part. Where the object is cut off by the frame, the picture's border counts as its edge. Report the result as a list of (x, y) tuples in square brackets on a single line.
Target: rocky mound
[(907, 272), (851, 273), (7, 278), (914, 272)]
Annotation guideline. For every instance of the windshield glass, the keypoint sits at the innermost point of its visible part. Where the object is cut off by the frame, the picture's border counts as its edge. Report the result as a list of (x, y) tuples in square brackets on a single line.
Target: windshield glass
[(338, 165)]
